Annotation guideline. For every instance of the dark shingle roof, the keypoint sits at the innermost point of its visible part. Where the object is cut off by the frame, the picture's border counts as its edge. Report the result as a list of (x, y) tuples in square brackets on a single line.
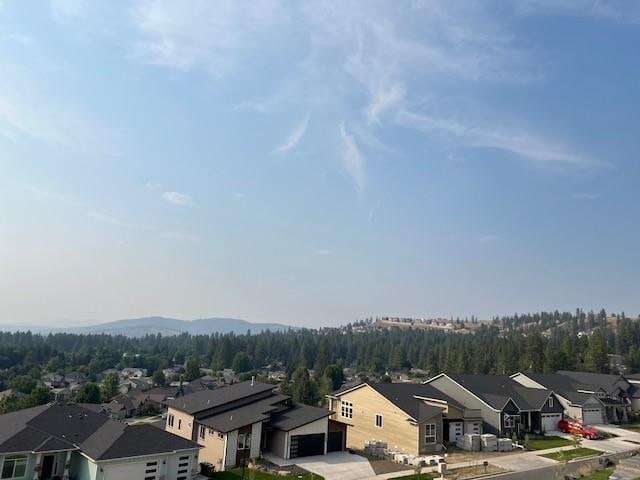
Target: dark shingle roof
[(208, 399), (245, 415), (561, 384), (137, 440), (593, 381), (496, 390), (297, 416), (70, 427), (403, 395)]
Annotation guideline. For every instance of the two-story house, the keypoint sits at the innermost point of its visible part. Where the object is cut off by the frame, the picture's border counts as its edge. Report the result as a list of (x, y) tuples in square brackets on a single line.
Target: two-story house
[(411, 418), (242, 421)]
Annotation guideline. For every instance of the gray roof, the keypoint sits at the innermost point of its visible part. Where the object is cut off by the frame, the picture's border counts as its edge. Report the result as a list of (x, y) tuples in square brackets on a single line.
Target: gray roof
[(403, 395), (594, 381), (235, 418), (496, 390), (208, 399), (562, 385), (297, 416), (59, 427)]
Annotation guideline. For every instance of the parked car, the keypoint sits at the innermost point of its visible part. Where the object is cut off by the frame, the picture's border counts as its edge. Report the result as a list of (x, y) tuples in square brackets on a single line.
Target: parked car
[(578, 429)]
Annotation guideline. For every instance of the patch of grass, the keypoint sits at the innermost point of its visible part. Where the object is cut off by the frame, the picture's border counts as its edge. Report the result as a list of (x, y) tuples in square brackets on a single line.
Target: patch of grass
[(599, 475), (236, 474), (547, 442), (566, 455)]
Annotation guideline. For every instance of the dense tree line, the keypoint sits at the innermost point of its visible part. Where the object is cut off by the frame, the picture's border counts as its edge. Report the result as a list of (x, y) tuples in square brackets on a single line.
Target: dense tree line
[(542, 342)]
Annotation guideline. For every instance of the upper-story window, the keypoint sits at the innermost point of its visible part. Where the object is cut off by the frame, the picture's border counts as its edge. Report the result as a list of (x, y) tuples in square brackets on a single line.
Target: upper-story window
[(179, 423), (550, 402), (202, 431), (346, 409), (14, 466), (378, 420), (170, 419)]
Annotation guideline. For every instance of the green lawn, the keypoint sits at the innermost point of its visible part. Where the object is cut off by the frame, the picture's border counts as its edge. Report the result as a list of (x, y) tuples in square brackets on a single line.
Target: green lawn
[(547, 442), (236, 474), (599, 475), (571, 454)]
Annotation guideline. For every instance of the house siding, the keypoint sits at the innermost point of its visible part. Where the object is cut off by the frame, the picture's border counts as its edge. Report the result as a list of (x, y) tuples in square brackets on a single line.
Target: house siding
[(557, 405), (396, 431), (182, 420), (492, 420), (213, 449), (423, 447)]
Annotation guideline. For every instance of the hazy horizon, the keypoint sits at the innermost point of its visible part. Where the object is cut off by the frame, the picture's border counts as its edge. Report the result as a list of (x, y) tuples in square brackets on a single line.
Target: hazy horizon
[(318, 163)]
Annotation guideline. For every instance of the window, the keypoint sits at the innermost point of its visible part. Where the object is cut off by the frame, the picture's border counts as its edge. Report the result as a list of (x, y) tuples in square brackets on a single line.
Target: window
[(14, 466), (212, 431), (220, 435), (378, 420), (510, 421), (430, 433), (202, 431), (244, 441), (170, 420), (550, 402), (179, 423), (346, 409)]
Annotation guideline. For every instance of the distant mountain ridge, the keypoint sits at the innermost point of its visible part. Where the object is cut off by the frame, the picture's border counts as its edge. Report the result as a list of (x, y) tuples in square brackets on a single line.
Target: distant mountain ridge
[(139, 327)]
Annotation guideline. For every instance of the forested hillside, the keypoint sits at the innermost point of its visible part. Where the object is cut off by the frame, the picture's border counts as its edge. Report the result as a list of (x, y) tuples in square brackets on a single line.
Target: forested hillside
[(564, 342)]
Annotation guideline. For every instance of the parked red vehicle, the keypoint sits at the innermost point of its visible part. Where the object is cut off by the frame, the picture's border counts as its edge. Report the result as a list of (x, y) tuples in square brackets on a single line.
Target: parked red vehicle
[(579, 429)]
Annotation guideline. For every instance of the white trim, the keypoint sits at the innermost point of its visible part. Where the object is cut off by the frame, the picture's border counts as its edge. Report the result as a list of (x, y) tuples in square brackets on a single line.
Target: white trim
[(109, 460)]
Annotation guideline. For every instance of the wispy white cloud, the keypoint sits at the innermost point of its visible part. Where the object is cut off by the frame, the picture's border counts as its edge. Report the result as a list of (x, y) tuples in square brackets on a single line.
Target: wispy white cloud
[(239, 195), (294, 137), (178, 198), (201, 34), (521, 143), (384, 100), (352, 160), (108, 219), (619, 11), (180, 236)]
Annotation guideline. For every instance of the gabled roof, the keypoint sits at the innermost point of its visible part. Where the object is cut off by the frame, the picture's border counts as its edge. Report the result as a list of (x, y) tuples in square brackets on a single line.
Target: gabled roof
[(563, 385), (496, 390), (208, 399), (297, 416), (248, 414), (59, 427), (404, 396), (594, 381)]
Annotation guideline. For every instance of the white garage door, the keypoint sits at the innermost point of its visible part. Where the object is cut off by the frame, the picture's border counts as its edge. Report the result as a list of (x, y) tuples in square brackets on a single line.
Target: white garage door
[(132, 471), (550, 421), (455, 431), (592, 415)]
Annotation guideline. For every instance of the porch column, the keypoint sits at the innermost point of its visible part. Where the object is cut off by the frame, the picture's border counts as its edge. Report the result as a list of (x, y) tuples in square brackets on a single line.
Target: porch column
[(67, 462), (37, 466), (530, 424)]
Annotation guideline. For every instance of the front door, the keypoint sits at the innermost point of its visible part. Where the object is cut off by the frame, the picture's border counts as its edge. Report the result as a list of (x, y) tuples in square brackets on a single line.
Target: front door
[(46, 471), (455, 431)]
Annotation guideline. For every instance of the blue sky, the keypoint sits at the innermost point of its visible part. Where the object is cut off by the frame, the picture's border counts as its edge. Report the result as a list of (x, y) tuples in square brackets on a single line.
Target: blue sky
[(317, 162)]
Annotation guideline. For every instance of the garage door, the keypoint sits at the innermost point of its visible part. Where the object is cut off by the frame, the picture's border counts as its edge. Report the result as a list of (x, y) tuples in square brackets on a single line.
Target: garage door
[(592, 415), (306, 445), (126, 472), (550, 421)]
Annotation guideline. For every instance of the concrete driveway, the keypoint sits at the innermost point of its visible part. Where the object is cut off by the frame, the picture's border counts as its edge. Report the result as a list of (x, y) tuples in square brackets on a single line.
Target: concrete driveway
[(337, 466)]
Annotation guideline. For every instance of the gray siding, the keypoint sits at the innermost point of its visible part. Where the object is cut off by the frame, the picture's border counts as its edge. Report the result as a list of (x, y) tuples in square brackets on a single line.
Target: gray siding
[(491, 418), (557, 406)]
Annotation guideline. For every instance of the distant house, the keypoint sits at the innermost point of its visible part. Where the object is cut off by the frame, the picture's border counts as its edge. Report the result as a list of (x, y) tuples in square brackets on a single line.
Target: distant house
[(120, 407), (589, 397), (133, 372), (506, 406), (71, 441), (244, 420), (11, 392), (53, 380)]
